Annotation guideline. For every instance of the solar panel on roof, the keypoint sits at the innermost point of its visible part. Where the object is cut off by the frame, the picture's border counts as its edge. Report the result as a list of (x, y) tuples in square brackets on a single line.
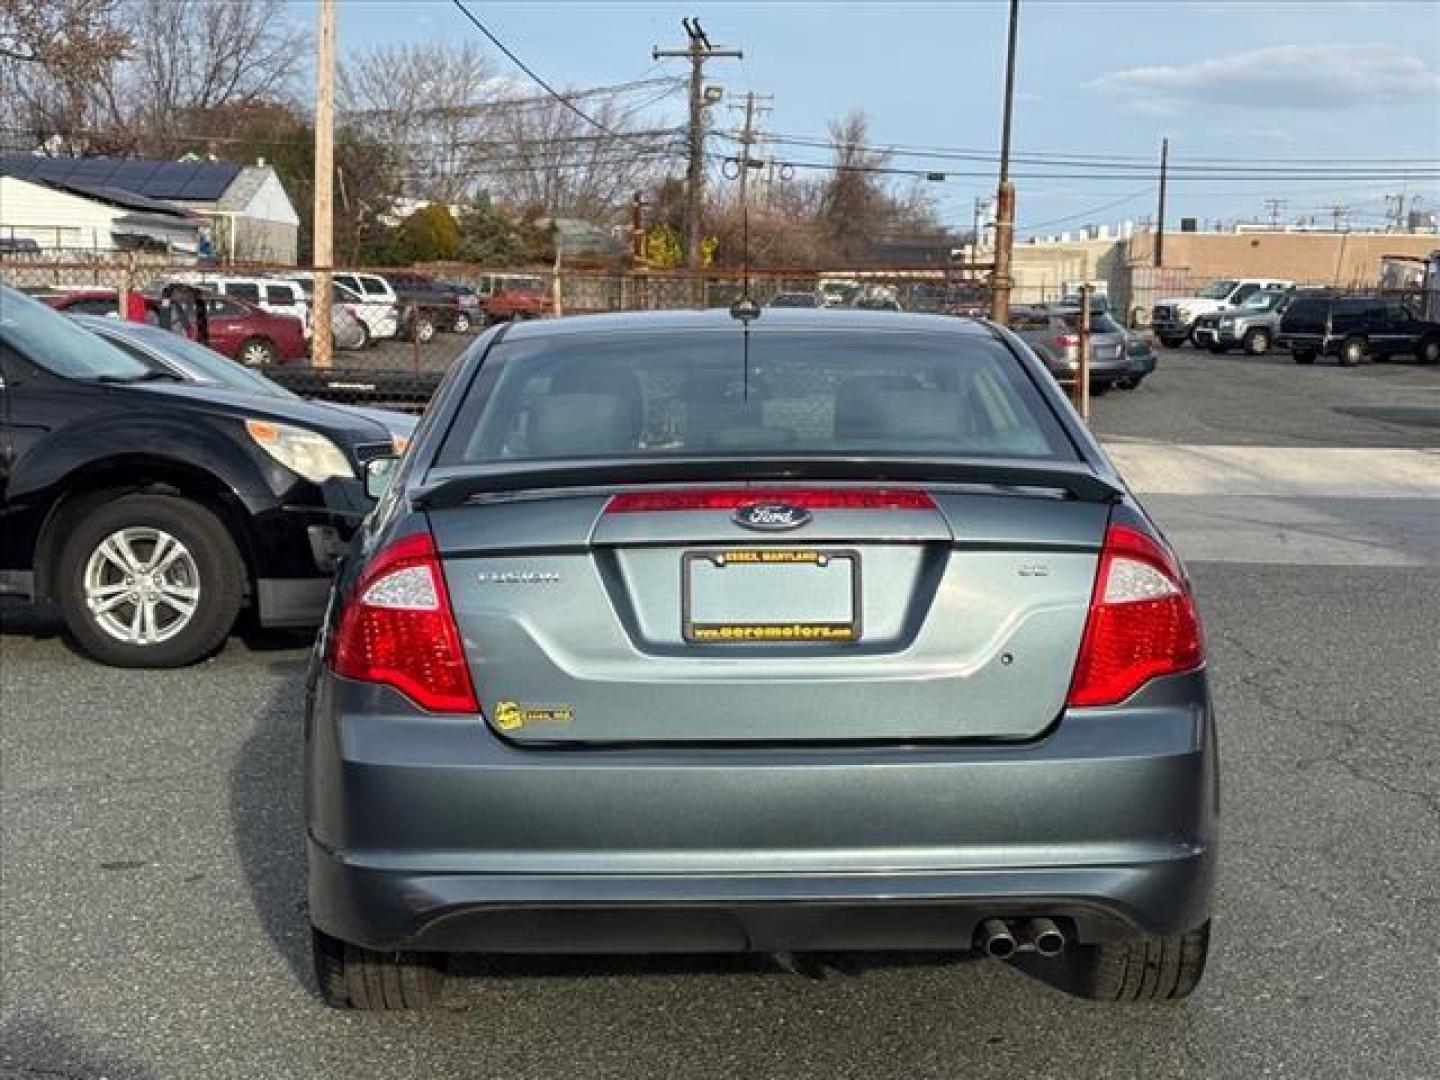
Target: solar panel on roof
[(201, 181)]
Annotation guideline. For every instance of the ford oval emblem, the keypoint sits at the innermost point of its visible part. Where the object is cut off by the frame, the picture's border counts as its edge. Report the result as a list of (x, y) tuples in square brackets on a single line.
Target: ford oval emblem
[(771, 517)]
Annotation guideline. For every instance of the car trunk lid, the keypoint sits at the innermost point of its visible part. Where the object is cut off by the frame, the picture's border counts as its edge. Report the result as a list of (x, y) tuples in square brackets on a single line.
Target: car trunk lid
[(592, 616)]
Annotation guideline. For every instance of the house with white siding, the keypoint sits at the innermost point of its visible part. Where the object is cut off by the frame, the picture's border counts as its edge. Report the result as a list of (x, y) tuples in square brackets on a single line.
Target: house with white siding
[(64, 218), (248, 214)]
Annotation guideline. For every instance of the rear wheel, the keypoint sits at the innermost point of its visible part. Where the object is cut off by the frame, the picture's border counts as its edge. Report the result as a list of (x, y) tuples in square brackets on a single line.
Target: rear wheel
[(1139, 969), (351, 977), (1257, 341), (1353, 350), (423, 330), (1429, 351), (365, 338), (149, 581), (257, 352), (462, 323)]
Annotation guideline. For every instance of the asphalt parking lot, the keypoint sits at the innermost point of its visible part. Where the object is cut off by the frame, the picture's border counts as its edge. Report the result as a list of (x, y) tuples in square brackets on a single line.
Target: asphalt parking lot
[(153, 899)]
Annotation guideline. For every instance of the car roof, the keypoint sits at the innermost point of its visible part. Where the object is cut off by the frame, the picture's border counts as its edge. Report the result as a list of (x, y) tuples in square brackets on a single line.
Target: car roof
[(772, 319)]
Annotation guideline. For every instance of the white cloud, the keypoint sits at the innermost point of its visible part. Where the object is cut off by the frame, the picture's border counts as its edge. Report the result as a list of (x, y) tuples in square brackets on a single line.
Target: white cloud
[(1299, 77)]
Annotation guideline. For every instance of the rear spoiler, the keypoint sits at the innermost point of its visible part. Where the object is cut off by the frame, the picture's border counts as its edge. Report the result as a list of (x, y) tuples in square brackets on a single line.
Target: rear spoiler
[(455, 485)]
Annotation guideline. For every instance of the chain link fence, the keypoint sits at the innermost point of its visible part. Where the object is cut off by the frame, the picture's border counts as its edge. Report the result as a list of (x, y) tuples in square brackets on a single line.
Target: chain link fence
[(397, 330)]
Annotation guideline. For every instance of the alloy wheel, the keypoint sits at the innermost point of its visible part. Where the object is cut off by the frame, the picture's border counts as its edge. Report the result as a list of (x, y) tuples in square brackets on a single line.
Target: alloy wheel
[(142, 585)]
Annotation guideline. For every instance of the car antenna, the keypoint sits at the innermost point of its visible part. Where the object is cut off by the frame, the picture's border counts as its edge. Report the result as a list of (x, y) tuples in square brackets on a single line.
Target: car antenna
[(745, 308)]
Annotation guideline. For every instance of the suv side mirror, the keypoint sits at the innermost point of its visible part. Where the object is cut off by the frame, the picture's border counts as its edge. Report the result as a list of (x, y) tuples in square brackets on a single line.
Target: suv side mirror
[(378, 472)]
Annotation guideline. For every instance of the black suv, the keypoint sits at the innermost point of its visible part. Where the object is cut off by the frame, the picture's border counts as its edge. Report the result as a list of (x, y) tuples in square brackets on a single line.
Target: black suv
[(1356, 329), (152, 511)]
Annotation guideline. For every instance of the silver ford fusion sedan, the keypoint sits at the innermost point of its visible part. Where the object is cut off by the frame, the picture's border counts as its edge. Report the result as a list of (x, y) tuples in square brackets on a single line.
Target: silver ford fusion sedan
[(798, 632)]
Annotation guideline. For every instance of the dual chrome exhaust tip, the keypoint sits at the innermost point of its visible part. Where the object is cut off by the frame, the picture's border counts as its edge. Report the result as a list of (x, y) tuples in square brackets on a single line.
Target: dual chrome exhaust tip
[(1000, 939)]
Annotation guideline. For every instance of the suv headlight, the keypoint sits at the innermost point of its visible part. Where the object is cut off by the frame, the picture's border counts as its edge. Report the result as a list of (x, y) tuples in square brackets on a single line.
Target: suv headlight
[(299, 449)]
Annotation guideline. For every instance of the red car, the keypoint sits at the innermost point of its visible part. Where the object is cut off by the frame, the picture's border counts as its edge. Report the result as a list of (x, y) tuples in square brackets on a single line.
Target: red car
[(236, 329), (517, 303)]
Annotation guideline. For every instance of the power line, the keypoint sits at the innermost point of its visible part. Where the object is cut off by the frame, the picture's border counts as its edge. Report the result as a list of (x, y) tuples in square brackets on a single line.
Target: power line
[(1092, 211), (534, 77)]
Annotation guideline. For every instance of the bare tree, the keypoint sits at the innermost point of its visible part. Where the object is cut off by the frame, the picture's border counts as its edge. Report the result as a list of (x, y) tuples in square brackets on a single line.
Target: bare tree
[(430, 103), (854, 204), (52, 53), (555, 160), (185, 58)]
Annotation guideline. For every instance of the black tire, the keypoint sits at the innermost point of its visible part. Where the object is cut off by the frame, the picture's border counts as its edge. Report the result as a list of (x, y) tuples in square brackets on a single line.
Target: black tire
[(365, 339), (1354, 350), (423, 329), (218, 569), (1171, 342), (256, 352), (1139, 969), (351, 977), (461, 325), (1302, 356), (1257, 341), (1429, 351)]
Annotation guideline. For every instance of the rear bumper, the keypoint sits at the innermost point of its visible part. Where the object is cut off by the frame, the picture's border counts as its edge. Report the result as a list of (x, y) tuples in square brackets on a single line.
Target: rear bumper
[(433, 833)]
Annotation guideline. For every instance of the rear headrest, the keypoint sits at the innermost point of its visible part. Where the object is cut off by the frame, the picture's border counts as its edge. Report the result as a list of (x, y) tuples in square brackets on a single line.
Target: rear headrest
[(853, 398), (583, 425)]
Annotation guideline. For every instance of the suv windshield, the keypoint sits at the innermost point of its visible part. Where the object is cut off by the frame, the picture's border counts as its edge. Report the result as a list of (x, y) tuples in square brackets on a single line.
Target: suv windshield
[(1218, 290), (56, 344), (809, 393)]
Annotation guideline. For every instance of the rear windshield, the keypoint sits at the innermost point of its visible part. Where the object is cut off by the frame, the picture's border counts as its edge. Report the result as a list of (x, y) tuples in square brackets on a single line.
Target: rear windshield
[(1100, 323), (809, 393)]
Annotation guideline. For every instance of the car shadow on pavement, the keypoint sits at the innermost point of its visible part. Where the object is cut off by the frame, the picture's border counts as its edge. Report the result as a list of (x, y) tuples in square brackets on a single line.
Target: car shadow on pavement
[(40, 1047), (268, 821), (20, 618)]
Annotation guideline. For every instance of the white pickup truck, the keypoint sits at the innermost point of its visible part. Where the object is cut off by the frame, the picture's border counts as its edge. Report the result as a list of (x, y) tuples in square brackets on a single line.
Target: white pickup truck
[(1173, 318)]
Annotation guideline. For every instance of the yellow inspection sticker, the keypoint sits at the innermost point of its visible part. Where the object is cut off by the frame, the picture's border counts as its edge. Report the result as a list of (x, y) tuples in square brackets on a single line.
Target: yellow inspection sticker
[(512, 716)]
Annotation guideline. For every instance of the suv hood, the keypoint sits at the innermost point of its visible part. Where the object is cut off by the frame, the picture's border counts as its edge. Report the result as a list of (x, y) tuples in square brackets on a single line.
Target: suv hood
[(342, 425)]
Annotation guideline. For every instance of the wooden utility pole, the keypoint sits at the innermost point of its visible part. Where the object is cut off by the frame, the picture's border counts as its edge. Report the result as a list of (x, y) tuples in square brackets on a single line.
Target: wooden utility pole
[(697, 52), (748, 136), (324, 226), (1082, 370), (1005, 195), (1160, 210)]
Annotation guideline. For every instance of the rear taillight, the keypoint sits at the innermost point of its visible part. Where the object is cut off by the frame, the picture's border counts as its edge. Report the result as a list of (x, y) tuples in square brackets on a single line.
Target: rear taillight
[(1068, 341), (398, 629), (667, 499), (1142, 621)]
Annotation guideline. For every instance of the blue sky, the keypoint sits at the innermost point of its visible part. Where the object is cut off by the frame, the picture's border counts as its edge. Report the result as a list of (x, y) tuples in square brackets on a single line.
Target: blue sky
[(1242, 80)]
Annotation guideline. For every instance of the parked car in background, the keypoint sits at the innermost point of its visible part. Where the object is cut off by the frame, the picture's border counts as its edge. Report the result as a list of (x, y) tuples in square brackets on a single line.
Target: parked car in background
[(1355, 329), (379, 319), (1143, 357), (251, 335), (274, 295), (877, 303), (189, 360), (798, 300), (471, 313), (425, 306), (24, 247), (864, 646), (152, 511), (1173, 318), (968, 299), (82, 301), (517, 302), (1054, 334), (1251, 325)]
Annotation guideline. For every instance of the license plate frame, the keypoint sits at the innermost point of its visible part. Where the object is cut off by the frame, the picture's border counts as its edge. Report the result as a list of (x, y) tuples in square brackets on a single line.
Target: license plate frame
[(769, 632)]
